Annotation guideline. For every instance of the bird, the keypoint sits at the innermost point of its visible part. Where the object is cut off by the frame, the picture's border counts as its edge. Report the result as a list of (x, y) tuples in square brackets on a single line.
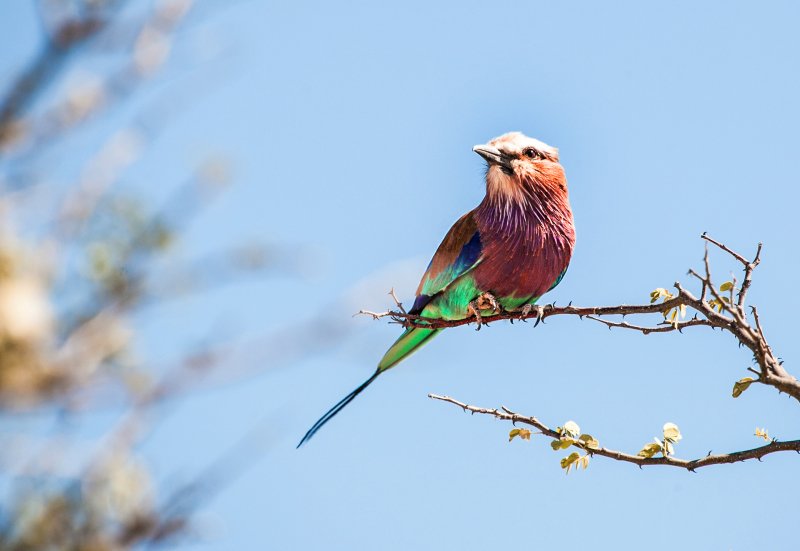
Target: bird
[(504, 255)]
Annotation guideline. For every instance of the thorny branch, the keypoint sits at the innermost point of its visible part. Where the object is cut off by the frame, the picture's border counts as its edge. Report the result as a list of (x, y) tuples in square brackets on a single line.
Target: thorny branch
[(756, 453), (712, 309), (718, 312)]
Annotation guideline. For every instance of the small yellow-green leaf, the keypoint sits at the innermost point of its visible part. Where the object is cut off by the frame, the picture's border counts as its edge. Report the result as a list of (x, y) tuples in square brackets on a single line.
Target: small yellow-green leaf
[(649, 450), (741, 386), (569, 460), (562, 444), (512, 434), (726, 286), (525, 434), (589, 442), (683, 310), (572, 428), (671, 431), (658, 293), (585, 461)]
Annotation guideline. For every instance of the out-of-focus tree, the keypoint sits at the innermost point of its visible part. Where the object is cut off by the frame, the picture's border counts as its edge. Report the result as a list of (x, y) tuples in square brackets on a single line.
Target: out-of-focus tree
[(78, 262)]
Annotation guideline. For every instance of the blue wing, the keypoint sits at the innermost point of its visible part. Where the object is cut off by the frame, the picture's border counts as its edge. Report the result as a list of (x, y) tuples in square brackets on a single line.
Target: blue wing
[(460, 251)]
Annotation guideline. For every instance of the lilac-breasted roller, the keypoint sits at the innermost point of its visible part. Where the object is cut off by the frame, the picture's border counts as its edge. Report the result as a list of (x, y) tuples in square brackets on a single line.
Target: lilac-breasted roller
[(509, 251)]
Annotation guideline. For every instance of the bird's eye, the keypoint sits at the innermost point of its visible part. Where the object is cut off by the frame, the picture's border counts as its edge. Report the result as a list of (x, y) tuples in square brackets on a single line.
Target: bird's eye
[(532, 154)]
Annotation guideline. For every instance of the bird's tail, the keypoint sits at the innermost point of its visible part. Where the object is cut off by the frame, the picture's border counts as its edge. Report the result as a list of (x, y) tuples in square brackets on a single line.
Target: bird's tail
[(336, 409), (410, 341)]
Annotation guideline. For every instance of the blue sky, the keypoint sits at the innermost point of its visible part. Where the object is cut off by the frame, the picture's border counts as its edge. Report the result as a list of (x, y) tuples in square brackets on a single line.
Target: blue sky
[(351, 128)]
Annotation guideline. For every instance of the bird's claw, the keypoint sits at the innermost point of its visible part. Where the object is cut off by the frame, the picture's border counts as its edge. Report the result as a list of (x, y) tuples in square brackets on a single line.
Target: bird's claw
[(539, 315), (540, 312), (474, 310), (493, 301), (525, 311), (486, 301)]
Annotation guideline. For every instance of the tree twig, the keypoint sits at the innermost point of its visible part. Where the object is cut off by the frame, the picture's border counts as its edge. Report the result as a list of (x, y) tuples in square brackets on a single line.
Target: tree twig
[(691, 465), (664, 327)]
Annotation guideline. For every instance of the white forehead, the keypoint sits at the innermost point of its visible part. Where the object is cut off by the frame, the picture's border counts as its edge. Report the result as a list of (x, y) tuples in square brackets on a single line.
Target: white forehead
[(515, 142)]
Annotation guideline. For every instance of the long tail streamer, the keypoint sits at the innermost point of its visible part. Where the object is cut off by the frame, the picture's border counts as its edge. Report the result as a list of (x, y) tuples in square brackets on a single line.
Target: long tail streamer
[(336, 409)]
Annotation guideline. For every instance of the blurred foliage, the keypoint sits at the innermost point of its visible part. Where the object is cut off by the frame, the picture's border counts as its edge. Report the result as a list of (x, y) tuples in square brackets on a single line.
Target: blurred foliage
[(75, 270)]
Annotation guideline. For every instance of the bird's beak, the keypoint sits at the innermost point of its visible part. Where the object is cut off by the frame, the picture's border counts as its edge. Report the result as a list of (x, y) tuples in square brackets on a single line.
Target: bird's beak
[(493, 156)]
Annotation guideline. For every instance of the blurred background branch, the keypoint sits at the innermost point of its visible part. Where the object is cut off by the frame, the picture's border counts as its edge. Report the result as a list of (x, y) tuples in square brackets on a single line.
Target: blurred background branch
[(78, 263)]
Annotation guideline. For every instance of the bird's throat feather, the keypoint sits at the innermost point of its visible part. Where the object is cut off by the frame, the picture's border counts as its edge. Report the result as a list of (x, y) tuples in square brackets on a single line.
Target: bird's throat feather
[(527, 230)]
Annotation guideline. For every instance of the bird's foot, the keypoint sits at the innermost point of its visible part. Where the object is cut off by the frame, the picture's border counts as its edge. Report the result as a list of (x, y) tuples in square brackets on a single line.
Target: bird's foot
[(484, 302), (525, 311), (473, 310), (540, 311), (487, 300)]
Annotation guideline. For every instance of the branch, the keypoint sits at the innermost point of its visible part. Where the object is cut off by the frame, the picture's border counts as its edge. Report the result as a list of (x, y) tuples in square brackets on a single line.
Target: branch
[(691, 465), (411, 320), (713, 315), (663, 327), (748, 267), (719, 312), (737, 256)]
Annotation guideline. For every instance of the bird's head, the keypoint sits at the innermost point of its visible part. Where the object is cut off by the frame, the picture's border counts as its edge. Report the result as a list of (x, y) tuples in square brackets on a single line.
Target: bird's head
[(518, 163)]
